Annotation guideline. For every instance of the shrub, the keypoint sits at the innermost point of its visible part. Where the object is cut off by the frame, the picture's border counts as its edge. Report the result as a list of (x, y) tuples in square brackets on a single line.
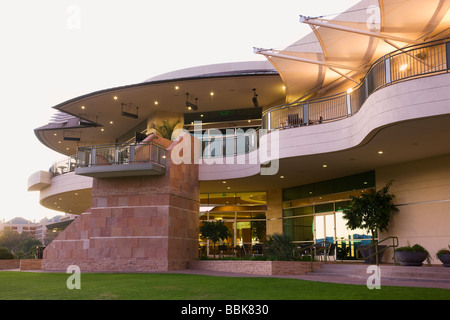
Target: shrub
[(414, 248), (280, 247), (5, 254)]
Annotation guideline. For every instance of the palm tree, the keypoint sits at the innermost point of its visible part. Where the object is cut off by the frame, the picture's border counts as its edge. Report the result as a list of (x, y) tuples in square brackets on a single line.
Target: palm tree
[(166, 129)]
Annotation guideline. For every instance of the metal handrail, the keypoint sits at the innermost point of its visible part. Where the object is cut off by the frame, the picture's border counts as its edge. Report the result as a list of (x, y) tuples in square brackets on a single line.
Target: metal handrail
[(314, 249), (400, 65), (394, 245)]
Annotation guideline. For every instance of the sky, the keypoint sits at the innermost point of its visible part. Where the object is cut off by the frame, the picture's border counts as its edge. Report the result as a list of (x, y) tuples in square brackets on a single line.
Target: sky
[(55, 50)]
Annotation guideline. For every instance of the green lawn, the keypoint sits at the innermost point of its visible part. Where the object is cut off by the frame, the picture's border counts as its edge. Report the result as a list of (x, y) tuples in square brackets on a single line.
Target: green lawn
[(99, 286)]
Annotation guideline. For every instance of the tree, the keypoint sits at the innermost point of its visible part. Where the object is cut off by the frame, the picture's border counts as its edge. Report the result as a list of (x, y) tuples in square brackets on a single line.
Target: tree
[(214, 231), (22, 245), (371, 211), (5, 254), (259, 227), (166, 129)]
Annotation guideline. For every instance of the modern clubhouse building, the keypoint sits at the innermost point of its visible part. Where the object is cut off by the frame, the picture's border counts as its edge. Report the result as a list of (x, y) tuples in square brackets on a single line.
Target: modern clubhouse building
[(273, 146)]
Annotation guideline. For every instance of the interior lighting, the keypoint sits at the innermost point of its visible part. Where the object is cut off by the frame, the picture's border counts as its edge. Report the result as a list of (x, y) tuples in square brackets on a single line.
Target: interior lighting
[(111, 122), (324, 166), (380, 152), (211, 93), (177, 87), (156, 103), (83, 107), (115, 98)]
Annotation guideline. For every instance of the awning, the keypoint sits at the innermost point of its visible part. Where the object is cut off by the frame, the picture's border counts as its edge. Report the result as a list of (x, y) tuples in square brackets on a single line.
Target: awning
[(340, 50)]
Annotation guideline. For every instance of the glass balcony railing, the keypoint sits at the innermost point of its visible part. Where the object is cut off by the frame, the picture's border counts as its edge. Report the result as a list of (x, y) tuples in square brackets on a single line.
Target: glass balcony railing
[(119, 154), (130, 159), (63, 166), (407, 63)]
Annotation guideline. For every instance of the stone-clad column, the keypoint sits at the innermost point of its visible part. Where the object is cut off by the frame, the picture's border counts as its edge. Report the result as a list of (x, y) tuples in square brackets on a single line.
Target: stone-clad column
[(135, 224)]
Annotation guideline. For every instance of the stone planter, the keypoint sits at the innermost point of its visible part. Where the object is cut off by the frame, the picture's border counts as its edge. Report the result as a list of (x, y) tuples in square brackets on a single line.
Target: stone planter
[(409, 258), (366, 254), (445, 259)]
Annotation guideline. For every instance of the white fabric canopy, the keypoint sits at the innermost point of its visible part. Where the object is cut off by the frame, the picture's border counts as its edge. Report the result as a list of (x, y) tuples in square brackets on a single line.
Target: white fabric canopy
[(345, 46)]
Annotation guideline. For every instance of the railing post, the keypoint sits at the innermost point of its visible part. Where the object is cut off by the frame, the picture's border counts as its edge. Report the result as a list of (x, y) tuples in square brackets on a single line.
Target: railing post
[(349, 104), (447, 51), (387, 70), (269, 121), (93, 160), (131, 160), (305, 113)]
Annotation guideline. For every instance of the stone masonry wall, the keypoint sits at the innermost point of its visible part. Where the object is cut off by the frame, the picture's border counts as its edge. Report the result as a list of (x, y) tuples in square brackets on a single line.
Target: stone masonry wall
[(135, 224)]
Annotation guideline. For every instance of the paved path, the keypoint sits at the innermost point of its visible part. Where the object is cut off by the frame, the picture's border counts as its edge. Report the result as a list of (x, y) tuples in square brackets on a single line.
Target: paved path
[(325, 278)]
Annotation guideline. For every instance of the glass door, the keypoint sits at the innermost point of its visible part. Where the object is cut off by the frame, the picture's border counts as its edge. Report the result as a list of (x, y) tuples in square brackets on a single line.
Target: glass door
[(324, 228)]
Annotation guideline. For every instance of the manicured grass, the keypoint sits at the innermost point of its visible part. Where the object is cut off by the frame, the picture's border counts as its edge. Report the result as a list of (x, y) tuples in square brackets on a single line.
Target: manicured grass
[(99, 286)]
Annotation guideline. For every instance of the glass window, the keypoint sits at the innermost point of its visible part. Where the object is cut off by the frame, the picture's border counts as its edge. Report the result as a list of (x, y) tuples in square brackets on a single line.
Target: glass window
[(222, 198), (299, 229), (324, 207), (298, 211)]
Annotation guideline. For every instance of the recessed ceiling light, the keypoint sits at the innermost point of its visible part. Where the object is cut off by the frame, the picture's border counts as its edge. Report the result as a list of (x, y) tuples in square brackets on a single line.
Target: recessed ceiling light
[(55, 134), (380, 152), (224, 182), (211, 93), (111, 122), (115, 98), (228, 188), (156, 103), (177, 87), (324, 166), (83, 107), (102, 129), (281, 177)]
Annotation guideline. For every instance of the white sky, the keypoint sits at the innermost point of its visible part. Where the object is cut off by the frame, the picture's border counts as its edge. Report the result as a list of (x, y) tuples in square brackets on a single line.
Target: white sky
[(55, 50)]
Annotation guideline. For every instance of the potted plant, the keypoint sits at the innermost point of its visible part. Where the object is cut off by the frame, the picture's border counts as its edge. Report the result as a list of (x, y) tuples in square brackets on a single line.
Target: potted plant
[(371, 211), (412, 255), (444, 256)]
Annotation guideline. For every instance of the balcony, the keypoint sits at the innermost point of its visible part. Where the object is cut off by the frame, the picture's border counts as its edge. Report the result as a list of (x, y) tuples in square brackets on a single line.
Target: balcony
[(408, 63), (121, 160)]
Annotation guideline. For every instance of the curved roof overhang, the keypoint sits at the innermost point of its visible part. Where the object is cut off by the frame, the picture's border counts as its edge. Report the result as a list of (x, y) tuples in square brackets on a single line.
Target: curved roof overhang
[(96, 118), (343, 48)]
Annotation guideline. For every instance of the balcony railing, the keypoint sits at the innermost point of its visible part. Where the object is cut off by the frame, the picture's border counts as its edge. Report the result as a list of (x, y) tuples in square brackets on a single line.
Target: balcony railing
[(143, 158), (407, 63), (63, 166)]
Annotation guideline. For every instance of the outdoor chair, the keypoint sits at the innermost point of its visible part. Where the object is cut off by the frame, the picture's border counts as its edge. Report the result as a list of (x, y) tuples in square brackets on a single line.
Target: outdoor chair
[(257, 250)]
